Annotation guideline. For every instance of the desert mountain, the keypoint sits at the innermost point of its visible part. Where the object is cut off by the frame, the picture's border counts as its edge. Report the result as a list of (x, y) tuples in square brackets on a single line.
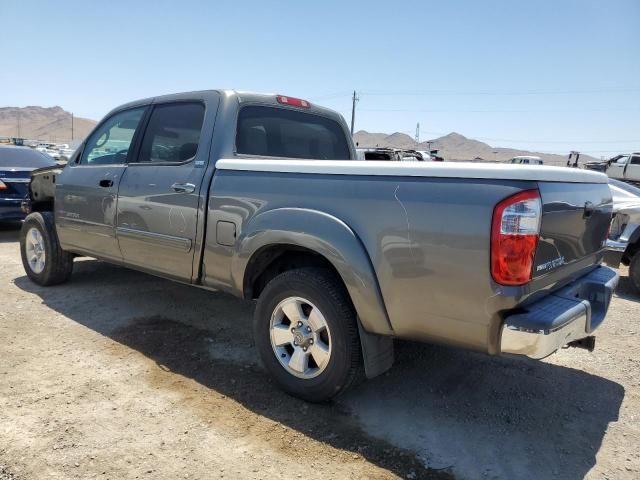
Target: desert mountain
[(456, 147), (52, 124)]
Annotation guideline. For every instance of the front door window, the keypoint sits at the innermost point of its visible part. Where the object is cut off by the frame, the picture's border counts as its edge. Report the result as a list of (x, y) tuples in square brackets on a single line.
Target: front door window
[(110, 143)]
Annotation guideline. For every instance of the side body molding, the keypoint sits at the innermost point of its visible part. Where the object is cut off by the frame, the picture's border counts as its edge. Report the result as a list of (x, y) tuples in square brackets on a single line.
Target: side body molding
[(323, 234)]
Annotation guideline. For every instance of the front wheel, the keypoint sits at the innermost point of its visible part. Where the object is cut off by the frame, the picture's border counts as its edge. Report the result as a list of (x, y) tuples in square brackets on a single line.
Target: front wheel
[(42, 258), (306, 334)]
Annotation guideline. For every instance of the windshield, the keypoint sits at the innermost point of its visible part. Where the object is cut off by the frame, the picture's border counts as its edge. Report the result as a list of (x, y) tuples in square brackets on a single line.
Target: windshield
[(19, 157)]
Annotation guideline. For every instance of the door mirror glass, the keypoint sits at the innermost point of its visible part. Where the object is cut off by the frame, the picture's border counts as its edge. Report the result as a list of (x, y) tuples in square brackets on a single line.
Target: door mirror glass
[(110, 143)]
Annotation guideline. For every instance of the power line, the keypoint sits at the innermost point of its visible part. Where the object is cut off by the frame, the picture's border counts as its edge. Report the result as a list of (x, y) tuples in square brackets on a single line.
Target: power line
[(497, 111), (502, 92)]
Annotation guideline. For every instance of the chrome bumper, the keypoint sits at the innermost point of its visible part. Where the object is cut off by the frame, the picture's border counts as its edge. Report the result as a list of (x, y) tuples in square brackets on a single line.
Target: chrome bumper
[(616, 246), (569, 314)]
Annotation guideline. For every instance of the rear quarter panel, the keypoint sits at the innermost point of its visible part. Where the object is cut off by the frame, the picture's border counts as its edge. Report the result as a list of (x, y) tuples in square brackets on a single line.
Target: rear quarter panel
[(428, 241)]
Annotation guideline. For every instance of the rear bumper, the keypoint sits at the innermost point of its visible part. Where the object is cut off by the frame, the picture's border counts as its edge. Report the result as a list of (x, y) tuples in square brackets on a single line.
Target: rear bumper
[(569, 314)]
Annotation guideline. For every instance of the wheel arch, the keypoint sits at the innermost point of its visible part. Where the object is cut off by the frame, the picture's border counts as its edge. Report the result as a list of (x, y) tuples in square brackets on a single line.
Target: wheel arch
[(309, 237)]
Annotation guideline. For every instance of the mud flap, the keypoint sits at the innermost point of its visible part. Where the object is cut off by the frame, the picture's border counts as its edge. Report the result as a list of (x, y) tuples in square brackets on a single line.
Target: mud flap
[(377, 352)]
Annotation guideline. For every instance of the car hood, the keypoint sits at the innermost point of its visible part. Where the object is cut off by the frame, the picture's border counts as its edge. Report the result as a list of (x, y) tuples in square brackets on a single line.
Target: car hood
[(626, 206)]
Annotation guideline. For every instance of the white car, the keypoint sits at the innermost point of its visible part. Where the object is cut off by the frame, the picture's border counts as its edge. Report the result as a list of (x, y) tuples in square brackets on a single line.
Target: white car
[(527, 160)]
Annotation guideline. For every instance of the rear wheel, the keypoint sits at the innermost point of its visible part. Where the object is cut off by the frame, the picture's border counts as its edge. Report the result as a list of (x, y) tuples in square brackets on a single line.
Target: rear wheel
[(42, 258), (306, 333), (634, 270)]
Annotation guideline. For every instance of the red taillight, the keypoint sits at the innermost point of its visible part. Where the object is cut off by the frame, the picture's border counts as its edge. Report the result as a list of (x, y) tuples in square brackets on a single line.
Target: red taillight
[(294, 102), (514, 237)]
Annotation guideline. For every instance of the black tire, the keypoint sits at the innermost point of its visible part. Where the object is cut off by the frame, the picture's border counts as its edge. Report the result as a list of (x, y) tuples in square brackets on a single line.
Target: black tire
[(634, 270), (58, 264), (326, 291)]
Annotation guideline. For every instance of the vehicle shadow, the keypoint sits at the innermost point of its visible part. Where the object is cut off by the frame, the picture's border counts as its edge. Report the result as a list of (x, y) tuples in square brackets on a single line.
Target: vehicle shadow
[(458, 412), (10, 232), (626, 289)]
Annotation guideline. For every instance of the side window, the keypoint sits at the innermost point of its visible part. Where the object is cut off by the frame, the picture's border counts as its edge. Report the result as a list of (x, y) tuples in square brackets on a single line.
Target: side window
[(173, 133), (109, 145), (622, 160), (635, 160)]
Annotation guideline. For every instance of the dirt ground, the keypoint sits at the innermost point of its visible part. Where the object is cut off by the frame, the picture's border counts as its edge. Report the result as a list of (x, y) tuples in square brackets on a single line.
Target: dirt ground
[(121, 375)]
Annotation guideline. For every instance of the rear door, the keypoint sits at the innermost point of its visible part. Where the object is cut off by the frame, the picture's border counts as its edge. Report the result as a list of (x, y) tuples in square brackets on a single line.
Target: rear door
[(160, 193), (633, 169), (85, 199)]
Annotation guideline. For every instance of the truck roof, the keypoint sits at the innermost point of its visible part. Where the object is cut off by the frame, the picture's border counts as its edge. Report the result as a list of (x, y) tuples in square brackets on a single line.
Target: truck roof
[(269, 99)]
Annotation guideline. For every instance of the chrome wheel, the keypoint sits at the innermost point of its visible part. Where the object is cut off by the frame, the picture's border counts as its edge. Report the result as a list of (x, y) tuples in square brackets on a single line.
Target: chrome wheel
[(34, 246), (300, 337)]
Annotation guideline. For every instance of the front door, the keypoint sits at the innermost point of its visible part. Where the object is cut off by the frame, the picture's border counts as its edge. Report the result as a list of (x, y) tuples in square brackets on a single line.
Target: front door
[(159, 193), (85, 200), (616, 169)]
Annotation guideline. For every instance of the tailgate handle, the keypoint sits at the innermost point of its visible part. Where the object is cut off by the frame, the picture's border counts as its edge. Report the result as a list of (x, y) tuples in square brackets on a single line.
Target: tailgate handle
[(588, 209)]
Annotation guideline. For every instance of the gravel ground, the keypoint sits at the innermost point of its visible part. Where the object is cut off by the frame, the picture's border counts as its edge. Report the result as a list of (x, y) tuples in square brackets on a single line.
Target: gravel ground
[(120, 375)]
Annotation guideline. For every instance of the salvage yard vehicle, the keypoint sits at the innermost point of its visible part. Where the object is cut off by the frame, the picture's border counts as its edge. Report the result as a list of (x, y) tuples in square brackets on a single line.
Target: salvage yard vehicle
[(262, 196), (527, 160), (16, 164), (625, 167), (623, 244)]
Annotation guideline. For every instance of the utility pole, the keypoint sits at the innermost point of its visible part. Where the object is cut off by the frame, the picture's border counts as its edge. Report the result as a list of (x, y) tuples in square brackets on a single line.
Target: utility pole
[(18, 120), (71, 127), (353, 110), (418, 132)]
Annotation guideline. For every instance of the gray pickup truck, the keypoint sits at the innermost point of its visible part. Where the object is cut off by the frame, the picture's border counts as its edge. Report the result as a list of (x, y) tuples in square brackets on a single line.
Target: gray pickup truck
[(262, 196)]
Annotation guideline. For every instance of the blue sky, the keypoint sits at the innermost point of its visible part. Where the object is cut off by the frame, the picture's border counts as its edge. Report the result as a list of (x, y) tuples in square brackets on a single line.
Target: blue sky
[(546, 75)]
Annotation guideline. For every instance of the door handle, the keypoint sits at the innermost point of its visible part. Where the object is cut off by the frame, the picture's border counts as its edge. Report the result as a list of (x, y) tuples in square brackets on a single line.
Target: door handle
[(183, 187), (106, 183)]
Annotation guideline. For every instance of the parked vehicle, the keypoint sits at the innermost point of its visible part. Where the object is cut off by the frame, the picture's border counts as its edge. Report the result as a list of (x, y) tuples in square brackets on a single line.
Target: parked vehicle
[(378, 154), (262, 196), (431, 156), (395, 155), (54, 154), (526, 160), (625, 167), (624, 235), (16, 165)]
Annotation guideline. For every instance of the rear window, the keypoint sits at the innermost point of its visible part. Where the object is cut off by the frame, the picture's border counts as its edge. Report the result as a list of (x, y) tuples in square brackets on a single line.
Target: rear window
[(280, 132), (24, 157)]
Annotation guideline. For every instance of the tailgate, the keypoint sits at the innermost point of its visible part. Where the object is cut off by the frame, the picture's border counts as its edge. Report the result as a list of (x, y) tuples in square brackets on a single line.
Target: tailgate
[(575, 221)]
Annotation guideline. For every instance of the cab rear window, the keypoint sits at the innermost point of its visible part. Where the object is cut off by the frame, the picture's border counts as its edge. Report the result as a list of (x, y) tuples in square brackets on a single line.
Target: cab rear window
[(281, 132)]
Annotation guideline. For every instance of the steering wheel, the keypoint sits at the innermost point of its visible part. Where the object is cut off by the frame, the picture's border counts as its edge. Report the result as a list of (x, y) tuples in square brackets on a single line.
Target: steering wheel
[(106, 136)]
